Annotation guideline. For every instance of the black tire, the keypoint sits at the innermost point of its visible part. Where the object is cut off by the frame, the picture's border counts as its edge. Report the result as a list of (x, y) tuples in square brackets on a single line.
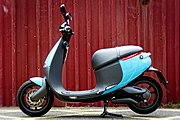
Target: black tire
[(152, 104), (31, 108)]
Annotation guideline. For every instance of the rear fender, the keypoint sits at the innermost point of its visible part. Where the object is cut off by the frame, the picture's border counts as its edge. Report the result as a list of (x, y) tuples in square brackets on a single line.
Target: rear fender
[(160, 76)]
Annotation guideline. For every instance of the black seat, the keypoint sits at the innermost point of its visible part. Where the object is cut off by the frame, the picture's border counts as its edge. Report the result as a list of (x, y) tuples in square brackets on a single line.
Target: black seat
[(128, 50), (105, 56)]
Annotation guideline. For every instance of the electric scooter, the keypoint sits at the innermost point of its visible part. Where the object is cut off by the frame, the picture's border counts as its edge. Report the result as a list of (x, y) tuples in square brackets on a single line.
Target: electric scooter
[(119, 73)]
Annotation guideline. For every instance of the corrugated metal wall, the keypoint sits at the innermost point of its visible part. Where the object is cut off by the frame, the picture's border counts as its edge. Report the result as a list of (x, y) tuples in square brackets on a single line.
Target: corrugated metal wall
[(29, 28)]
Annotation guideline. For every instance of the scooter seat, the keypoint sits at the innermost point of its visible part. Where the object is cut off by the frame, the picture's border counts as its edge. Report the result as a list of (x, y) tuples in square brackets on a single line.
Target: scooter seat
[(107, 56), (128, 50)]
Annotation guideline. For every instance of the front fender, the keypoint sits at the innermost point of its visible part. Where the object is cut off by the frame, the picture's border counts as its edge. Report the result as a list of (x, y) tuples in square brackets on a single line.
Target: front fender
[(37, 80), (159, 75), (42, 91)]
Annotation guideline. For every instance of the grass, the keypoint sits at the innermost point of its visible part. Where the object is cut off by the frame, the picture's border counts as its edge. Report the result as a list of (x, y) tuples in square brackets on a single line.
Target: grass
[(171, 105)]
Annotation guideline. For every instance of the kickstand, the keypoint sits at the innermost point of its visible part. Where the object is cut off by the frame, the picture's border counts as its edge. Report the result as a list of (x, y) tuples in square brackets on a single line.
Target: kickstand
[(105, 112)]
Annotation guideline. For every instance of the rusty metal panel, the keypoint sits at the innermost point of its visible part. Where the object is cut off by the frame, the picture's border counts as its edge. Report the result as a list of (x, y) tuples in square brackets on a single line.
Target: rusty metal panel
[(1, 60), (7, 53), (173, 50), (29, 29)]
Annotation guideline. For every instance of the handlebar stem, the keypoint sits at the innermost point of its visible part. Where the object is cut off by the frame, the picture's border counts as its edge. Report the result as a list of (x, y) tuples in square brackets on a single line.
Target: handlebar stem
[(65, 28)]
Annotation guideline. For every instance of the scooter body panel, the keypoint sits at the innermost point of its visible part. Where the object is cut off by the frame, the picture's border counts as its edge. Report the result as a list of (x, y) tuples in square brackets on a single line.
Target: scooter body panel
[(49, 59), (127, 70), (131, 69), (37, 80), (51, 53)]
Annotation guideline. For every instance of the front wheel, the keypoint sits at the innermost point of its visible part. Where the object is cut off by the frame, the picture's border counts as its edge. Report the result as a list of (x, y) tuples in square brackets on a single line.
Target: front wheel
[(33, 108), (150, 105)]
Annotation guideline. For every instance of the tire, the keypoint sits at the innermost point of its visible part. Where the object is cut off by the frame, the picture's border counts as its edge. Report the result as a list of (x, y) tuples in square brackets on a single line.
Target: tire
[(152, 104), (33, 108)]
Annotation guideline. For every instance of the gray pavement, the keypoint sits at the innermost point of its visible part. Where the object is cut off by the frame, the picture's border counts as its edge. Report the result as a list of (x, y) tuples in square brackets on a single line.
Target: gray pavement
[(89, 113)]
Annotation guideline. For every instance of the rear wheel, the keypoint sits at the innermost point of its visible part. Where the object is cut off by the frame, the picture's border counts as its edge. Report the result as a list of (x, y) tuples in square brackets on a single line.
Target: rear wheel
[(150, 105), (33, 108)]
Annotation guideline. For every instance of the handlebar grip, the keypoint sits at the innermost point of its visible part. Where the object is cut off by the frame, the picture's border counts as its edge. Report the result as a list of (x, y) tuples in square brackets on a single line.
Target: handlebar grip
[(63, 10)]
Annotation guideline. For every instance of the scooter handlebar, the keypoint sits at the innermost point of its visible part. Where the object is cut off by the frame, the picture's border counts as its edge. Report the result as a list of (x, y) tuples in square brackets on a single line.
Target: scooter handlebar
[(65, 27), (67, 16), (63, 10)]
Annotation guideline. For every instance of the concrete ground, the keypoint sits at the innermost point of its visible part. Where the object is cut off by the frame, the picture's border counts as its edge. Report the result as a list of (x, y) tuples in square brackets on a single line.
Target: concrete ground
[(89, 113)]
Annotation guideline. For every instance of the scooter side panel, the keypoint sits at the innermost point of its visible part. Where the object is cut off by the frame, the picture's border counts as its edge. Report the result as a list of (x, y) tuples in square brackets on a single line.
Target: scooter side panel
[(131, 69)]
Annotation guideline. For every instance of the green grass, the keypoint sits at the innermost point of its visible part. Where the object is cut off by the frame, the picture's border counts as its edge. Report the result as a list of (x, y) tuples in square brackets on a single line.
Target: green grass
[(171, 105)]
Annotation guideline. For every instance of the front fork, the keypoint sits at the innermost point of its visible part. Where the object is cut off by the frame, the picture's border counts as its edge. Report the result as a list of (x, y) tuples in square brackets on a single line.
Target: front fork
[(42, 91), (159, 75)]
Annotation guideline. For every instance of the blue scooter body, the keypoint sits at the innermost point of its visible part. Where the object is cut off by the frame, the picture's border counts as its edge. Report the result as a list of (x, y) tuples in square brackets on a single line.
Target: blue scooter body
[(131, 68)]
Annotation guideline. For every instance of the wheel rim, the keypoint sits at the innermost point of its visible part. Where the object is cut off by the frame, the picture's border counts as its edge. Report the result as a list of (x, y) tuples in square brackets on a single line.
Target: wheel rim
[(146, 104), (38, 105)]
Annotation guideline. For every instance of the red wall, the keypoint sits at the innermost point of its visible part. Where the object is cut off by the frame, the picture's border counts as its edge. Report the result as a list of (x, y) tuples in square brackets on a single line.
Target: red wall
[(29, 28)]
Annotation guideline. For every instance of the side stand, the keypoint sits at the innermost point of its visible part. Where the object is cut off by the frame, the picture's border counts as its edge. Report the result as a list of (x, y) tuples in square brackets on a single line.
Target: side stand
[(105, 112)]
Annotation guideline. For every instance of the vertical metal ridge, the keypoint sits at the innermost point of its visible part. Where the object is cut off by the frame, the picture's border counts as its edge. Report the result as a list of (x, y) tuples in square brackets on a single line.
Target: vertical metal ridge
[(100, 23), (26, 39), (13, 44), (38, 36), (88, 32), (153, 20), (107, 27), (150, 31), (145, 27), (150, 37), (50, 22), (164, 68), (22, 42), (113, 24), (44, 34), (138, 23), (171, 49), (120, 22), (126, 22), (177, 48), (1, 53), (32, 39), (76, 52)]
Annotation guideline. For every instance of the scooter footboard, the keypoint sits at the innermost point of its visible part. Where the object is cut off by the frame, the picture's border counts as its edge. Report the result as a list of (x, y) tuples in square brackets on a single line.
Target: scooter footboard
[(42, 91)]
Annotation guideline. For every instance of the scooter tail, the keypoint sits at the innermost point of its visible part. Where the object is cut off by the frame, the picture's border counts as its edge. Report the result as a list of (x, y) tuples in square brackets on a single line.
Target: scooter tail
[(42, 91)]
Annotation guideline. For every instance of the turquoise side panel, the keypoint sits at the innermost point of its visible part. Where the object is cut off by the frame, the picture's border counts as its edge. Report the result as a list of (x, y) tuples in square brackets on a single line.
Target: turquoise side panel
[(131, 69)]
